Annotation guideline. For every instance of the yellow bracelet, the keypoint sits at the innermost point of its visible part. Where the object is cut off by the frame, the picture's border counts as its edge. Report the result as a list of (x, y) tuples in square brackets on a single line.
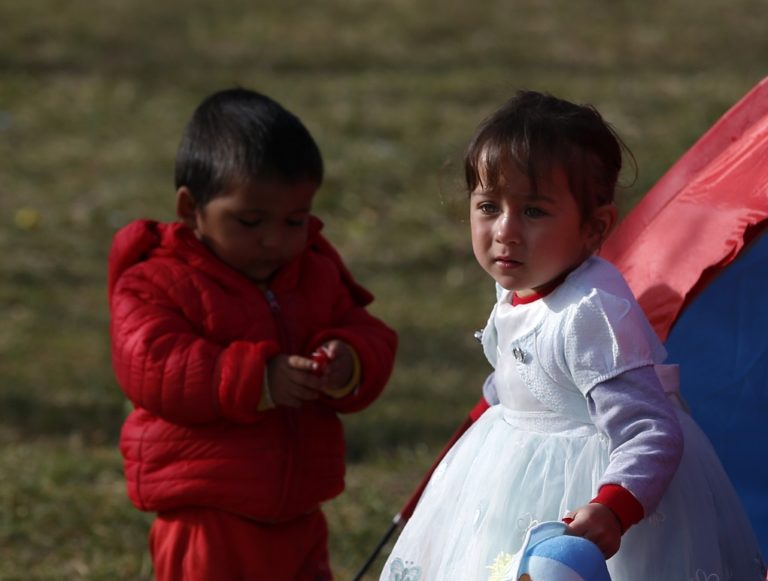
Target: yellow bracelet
[(265, 403), (339, 392)]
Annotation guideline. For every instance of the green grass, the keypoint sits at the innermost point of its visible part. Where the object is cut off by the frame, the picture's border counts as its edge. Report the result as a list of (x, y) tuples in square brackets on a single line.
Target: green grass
[(93, 97)]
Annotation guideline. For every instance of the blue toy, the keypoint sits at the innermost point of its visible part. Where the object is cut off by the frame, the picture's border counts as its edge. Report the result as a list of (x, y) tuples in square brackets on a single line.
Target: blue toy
[(548, 554)]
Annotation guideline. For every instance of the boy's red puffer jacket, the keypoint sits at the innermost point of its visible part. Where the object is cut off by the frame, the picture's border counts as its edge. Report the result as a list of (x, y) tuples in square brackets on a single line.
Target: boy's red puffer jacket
[(190, 339)]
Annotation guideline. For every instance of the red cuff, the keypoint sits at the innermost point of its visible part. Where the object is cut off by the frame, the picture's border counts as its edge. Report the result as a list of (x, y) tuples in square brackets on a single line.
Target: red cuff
[(626, 507)]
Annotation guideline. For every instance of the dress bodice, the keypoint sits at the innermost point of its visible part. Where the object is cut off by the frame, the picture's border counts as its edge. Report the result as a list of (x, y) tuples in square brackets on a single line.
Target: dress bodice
[(512, 322)]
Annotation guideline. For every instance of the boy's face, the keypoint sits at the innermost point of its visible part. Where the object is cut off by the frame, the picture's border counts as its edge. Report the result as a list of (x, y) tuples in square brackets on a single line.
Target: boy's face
[(256, 229)]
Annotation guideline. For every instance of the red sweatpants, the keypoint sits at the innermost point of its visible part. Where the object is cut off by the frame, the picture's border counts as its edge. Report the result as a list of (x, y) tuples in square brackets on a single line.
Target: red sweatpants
[(210, 545)]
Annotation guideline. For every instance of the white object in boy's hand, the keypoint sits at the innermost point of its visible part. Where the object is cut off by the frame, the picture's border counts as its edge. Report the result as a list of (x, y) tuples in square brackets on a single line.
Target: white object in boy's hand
[(321, 359)]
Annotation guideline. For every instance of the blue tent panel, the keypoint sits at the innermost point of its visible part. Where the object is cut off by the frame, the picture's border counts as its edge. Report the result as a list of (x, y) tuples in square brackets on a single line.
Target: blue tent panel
[(721, 344)]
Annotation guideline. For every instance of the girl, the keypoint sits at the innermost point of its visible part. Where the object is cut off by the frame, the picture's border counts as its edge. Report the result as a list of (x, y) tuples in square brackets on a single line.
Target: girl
[(584, 431)]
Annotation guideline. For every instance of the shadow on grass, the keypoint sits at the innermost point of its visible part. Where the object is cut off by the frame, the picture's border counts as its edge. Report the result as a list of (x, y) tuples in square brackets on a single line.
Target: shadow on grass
[(28, 416)]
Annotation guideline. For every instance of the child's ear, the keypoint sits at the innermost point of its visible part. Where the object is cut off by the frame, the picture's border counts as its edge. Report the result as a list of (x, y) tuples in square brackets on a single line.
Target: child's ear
[(603, 221), (186, 208)]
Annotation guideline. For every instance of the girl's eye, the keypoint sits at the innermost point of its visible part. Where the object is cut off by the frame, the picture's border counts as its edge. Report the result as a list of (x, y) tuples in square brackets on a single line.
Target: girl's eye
[(487, 208), (249, 223), (297, 222), (533, 212)]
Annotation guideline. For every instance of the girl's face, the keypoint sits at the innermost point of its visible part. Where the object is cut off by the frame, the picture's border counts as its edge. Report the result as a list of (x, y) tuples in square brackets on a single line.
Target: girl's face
[(525, 240), (255, 229)]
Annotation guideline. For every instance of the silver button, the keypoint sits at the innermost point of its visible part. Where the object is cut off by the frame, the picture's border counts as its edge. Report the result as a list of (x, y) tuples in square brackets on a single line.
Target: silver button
[(518, 354)]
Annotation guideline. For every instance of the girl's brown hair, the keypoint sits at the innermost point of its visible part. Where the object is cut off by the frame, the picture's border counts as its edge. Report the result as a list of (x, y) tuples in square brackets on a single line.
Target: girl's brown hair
[(538, 132)]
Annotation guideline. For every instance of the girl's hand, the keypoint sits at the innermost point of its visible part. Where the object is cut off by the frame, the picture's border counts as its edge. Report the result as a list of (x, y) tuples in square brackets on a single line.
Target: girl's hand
[(334, 363), (292, 380), (597, 523)]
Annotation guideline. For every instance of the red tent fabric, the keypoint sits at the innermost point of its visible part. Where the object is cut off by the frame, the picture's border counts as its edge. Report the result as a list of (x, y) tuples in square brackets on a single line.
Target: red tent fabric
[(699, 215)]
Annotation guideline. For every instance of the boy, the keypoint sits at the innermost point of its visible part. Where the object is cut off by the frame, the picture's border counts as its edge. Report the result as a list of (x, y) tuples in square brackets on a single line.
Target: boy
[(234, 440)]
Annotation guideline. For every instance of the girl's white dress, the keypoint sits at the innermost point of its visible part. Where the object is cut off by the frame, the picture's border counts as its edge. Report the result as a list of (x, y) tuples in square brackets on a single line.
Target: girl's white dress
[(537, 454)]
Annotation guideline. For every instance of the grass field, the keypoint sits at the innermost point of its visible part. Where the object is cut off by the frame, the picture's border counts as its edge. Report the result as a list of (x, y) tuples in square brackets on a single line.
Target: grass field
[(93, 97)]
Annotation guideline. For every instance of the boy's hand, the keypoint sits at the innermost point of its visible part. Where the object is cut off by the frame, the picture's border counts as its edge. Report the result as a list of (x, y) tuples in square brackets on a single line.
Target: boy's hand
[(292, 380), (597, 523), (334, 363)]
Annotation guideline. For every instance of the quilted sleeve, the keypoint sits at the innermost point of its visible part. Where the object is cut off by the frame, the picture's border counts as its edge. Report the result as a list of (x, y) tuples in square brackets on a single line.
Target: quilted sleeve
[(166, 367)]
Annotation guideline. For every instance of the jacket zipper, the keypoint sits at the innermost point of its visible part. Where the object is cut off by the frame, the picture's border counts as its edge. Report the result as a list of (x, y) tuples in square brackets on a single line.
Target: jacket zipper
[(274, 307), (292, 427)]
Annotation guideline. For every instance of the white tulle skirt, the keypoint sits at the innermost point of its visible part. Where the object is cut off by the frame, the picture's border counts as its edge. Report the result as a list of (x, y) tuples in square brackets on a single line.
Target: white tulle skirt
[(511, 470)]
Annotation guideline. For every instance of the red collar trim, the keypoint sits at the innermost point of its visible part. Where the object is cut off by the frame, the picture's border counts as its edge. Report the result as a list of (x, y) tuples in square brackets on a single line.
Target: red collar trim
[(542, 292), (517, 300)]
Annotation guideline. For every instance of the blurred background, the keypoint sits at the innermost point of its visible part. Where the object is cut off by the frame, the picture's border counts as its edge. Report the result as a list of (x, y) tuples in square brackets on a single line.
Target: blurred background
[(93, 98)]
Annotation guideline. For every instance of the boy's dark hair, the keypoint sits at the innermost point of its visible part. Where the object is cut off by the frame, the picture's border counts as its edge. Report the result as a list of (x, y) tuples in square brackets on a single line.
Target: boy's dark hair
[(238, 136), (539, 132)]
